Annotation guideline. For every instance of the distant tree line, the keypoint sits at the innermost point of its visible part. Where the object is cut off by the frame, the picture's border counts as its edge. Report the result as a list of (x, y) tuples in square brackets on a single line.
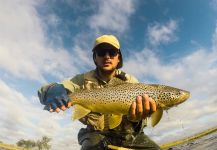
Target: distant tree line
[(39, 144)]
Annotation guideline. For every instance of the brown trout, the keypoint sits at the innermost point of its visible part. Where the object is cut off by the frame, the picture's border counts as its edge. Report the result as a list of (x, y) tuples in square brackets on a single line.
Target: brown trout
[(116, 100)]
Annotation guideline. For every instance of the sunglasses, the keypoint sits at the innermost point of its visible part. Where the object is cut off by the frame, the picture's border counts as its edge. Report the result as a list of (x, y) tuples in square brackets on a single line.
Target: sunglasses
[(103, 52)]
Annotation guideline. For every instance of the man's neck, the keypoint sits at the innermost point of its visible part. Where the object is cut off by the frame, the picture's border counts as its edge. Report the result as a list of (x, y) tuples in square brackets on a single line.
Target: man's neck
[(106, 75)]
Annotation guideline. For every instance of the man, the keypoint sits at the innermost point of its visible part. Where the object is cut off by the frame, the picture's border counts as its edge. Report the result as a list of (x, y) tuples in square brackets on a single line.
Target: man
[(129, 134)]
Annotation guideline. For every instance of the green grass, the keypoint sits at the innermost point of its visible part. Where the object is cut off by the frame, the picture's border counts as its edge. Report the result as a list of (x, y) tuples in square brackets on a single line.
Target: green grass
[(11, 147), (185, 140)]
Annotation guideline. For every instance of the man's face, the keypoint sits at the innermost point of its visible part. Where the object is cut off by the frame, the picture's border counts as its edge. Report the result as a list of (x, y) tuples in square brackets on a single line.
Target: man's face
[(107, 58)]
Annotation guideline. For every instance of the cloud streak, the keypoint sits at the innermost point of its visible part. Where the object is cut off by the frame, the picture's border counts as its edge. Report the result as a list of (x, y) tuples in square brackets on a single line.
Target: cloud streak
[(213, 4), (192, 72), (23, 50), (214, 38), (112, 16), (162, 33), (21, 118)]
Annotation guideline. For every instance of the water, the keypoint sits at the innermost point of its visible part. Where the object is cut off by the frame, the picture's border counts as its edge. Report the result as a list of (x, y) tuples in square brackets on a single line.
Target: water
[(207, 142)]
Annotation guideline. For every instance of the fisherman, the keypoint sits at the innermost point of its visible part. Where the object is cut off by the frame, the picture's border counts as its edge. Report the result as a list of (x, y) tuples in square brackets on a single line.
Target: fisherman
[(96, 136)]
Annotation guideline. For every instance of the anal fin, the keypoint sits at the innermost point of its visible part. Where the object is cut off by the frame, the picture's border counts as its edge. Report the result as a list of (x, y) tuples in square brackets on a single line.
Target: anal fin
[(156, 116), (79, 112), (114, 121)]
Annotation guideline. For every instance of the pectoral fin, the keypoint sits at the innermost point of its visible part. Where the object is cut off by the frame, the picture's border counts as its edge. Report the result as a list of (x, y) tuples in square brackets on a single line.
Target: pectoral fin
[(156, 117), (114, 121), (79, 112)]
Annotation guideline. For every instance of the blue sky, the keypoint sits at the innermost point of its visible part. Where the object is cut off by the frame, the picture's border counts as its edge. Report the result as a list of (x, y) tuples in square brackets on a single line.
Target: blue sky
[(163, 41)]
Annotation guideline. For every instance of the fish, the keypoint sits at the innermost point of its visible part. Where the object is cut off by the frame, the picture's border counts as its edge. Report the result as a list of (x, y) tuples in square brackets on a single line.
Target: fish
[(116, 98)]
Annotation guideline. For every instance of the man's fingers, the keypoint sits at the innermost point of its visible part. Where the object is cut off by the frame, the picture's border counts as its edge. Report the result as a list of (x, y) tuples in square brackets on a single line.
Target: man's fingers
[(63, 104), (152, 105), (133, 111), (57, 110), (53, 106), (139, 107), (56, 107), (60, 102), (143, 107), (69, 104), (146, 106), (63, 107)]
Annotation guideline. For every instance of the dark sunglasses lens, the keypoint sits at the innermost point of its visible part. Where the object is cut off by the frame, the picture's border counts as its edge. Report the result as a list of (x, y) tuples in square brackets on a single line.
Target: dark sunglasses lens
[(111, 52), (101, 53)]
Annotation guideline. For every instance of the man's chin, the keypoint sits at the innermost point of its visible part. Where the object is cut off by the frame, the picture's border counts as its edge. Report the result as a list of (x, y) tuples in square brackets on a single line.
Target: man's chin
[(107, 69)]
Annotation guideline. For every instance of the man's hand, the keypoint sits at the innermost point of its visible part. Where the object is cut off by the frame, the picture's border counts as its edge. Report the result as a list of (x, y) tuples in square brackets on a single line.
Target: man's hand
[(63, 107), (143, 107), (56, 99)]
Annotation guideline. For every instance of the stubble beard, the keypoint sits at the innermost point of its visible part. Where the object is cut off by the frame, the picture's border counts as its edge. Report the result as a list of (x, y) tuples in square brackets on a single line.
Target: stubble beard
[(106, 71)]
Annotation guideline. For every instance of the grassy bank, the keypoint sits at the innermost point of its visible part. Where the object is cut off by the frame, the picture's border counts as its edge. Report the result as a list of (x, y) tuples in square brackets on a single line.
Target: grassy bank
[(10, 147)]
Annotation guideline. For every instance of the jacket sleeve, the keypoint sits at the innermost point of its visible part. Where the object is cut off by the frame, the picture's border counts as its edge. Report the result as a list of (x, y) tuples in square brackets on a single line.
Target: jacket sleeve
[(71, 85), (74, 84), (42, 92)]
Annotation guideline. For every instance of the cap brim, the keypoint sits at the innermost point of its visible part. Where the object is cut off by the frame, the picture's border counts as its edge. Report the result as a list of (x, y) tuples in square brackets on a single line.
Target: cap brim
[(104, 46)]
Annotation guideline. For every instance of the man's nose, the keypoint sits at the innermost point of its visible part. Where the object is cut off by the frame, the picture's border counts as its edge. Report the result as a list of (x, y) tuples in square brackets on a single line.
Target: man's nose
[(107, 55)]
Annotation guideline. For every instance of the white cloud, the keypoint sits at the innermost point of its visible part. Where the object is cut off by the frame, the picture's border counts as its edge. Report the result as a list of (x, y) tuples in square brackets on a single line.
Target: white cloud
[(23, 51), (190, 71), (214, 39), (112, 15), (53, 19), (23, 119), (162, 33), (197, 73), (213, 4)]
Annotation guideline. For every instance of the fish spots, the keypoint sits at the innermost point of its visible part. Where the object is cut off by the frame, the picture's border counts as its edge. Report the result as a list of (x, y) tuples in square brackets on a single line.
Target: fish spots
[(120, 97)]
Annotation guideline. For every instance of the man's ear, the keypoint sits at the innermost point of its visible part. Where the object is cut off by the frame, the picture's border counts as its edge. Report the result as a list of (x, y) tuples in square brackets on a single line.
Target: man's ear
[(94, 58), (119, 58)]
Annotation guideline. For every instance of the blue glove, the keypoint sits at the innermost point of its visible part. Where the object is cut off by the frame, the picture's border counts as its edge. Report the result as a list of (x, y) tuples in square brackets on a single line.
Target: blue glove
[(55, 97)]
